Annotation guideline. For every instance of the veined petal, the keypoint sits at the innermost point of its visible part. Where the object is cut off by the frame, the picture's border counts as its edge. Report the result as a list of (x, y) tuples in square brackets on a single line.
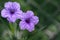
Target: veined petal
[(16, 5), (12, 18), (8, 5), (12, 5), (29, 14), (19, 14), (35, 20), (22, 25), (5, 13), (30, 27)]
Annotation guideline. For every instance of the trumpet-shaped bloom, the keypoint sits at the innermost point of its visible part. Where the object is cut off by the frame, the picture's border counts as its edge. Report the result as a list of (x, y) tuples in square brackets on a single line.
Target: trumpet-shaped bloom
[(28, 21), (11, 11)]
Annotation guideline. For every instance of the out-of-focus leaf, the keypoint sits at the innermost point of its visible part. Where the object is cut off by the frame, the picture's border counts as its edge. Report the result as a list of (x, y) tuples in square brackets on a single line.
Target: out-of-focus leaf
[(39, 36)]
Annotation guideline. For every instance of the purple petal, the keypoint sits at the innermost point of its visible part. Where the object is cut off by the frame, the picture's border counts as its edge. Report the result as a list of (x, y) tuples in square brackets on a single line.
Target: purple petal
[(35, 20), (5, 13), (12, 18), (30, 27), (8, 5), (16, 5), (22, 25), (28, 14), (19, 14), (12, 5)]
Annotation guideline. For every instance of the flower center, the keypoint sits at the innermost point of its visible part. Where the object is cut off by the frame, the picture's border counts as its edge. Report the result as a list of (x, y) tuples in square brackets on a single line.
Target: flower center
[(12, 11), (27, 20)]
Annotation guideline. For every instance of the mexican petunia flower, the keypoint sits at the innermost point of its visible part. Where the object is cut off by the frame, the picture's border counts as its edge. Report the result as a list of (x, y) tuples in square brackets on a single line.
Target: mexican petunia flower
[(28, 21), (11, 11)]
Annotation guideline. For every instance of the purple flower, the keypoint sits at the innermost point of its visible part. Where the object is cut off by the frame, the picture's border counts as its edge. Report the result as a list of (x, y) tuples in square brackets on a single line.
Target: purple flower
[(11, 11), (28, 21)]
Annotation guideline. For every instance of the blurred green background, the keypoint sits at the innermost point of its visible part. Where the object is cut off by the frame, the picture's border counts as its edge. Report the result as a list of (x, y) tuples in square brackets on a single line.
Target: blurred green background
[(48, 27)]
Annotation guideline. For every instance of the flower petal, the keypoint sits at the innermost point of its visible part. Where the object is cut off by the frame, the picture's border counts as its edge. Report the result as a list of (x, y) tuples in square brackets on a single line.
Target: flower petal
[(16, 5), (12, 5), (5, 13), (35, 20), (30, 27), (8, 5), (19, 14), (22, 25), (28, 14), (12, 18)]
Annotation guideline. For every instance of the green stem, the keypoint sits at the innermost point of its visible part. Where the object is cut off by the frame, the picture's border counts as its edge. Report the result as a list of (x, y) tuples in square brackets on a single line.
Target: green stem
[(15, 28), (11, 27)]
